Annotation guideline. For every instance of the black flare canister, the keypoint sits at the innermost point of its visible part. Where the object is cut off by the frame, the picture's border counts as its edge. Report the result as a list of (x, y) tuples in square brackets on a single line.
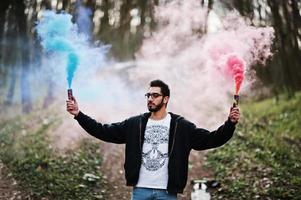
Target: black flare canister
[(70, 95), (236, 98)]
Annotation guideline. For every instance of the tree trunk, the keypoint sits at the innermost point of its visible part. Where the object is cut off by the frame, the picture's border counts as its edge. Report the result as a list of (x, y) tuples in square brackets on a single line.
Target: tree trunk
[(291, 49), (245, 7), (10, 54), (105, 31), (296, 25), (124, 29), (3, 9), (46, 4), (25, 48), (66, 5), (281, 38), (12, 85)]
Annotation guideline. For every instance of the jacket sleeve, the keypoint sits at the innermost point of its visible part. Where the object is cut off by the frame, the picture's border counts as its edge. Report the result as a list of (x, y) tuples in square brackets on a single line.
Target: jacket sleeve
[(203, 139), (114, 133)]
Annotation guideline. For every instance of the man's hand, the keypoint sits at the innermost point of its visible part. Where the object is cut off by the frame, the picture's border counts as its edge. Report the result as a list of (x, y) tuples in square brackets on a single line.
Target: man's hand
[(234, 115), (72, 107)]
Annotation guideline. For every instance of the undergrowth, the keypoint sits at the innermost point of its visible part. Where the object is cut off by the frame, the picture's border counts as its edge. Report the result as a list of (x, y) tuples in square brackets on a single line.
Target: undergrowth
[(262, 160), (43, 173)]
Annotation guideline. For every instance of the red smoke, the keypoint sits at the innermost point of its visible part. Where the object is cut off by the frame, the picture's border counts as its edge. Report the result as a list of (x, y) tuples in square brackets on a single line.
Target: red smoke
[(235, 67)]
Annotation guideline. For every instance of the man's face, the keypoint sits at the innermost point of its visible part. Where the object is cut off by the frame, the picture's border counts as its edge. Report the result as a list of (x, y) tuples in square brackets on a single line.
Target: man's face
[(155, 99)]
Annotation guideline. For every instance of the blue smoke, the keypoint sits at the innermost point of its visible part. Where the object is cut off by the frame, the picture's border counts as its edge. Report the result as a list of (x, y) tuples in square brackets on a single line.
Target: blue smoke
[(58, 35), (73, 61)]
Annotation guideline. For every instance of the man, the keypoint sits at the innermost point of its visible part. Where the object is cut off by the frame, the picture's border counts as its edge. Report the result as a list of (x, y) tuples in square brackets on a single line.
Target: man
[(157, 144)]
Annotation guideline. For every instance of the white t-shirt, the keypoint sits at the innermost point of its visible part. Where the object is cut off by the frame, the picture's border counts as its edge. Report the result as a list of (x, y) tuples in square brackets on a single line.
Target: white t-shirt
[(154, 165)]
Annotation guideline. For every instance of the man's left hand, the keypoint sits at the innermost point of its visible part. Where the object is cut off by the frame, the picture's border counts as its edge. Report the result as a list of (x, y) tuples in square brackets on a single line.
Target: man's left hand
[(234, 115)]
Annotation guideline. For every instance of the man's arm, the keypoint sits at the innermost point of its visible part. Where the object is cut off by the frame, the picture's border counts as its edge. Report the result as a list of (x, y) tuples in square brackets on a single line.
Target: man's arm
[(203, 139), (114, 133)]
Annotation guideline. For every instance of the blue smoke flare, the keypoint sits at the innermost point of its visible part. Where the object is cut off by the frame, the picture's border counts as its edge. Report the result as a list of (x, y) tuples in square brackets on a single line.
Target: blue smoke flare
[(57, 34), (71, 66)]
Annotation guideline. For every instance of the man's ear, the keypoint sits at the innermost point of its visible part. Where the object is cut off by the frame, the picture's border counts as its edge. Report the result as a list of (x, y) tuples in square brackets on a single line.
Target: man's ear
[(166, 99)]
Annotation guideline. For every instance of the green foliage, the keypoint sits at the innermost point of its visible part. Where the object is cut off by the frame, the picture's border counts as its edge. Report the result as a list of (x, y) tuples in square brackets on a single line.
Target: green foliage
[(262, 160), (44, 173)]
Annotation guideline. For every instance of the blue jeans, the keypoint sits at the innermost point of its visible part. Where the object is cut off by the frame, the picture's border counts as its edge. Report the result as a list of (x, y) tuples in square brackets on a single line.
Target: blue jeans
[(152, 194)]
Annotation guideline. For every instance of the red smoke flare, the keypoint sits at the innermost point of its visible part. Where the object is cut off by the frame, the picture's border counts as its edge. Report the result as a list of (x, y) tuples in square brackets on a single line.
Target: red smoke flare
[(235, 67)]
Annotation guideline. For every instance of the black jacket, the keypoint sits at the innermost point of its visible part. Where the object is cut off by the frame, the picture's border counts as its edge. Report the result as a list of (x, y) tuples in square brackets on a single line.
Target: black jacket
[(183, 137)]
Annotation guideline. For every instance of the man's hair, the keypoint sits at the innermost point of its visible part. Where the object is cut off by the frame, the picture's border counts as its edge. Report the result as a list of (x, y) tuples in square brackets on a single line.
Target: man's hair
[(164, 87)]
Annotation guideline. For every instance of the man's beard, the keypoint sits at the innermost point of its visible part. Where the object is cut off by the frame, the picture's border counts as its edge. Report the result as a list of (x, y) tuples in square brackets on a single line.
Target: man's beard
[(156, 108)]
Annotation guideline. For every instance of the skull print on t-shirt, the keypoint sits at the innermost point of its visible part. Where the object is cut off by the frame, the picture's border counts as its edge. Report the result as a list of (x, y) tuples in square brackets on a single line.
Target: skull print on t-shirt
[(154, 164)]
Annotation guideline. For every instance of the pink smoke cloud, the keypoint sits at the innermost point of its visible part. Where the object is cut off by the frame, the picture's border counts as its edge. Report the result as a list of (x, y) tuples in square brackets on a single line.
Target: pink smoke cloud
[(197, 65)]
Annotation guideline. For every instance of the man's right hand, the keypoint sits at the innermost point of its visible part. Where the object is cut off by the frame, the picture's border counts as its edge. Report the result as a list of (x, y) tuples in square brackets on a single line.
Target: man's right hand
[(72, 107)]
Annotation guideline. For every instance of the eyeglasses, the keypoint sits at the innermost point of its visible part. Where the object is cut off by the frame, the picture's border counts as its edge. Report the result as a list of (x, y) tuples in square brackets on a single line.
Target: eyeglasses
[(153, 95)]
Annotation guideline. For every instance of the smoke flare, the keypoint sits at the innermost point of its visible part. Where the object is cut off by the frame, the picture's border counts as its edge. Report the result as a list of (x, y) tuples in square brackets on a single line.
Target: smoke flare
[(235, 67), (56, 32)]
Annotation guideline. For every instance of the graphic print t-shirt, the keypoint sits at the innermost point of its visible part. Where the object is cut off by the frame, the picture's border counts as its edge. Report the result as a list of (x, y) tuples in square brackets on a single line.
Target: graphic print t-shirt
[(154, 165)]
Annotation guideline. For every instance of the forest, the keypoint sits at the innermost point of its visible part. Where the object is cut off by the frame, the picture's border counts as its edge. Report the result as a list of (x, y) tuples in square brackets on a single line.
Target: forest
[(109, 50)]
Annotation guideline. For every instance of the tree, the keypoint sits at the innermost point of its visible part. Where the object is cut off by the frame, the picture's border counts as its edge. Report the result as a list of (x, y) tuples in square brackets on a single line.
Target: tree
[(25, 48), (3, 8), (285, 17)]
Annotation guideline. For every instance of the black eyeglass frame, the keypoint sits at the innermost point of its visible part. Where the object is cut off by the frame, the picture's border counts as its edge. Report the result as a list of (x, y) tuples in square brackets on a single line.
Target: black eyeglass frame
[(153, 95)]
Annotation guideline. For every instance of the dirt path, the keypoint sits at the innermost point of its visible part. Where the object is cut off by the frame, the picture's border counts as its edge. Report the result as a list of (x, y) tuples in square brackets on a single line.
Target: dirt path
[(112, 168), (8, 186), (113, 160)]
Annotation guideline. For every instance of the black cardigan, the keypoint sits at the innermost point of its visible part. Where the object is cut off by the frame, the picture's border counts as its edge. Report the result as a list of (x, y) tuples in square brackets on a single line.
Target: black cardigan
[(183, 137)]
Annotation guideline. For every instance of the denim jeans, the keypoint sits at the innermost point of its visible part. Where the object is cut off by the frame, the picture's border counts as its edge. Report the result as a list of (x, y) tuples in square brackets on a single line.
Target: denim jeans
[(152, 194)]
